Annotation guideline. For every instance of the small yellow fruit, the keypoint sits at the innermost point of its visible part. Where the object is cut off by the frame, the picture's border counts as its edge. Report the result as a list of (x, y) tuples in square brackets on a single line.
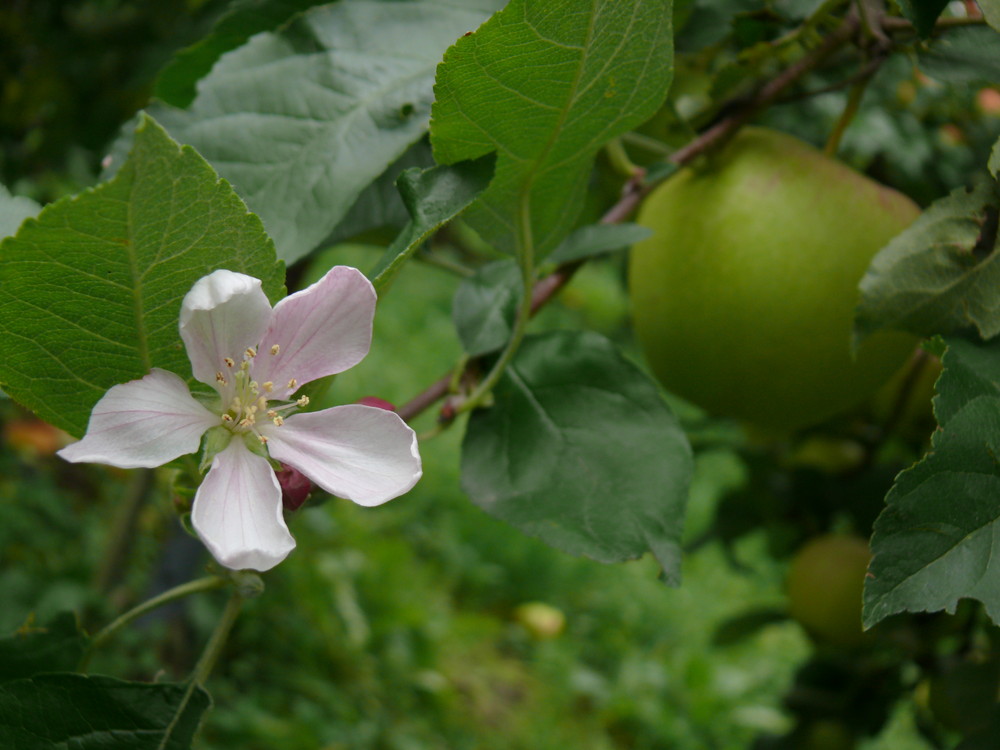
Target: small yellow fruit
[(743, 299), (825, 586), (541, 620)]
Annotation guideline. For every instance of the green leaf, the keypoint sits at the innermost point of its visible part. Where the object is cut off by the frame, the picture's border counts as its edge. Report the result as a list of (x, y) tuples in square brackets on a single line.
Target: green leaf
[(433, 197), (597, 239), (303, 119), (939, 275), (991, 12), (380, 205), (994, 163), (485, 306), (90, 291), (546, 83), (14, 210), (935, 541), (176, 83), (580, 450), (54, 647), (963, 55), (76, 712), (971, 371), (923, 14)]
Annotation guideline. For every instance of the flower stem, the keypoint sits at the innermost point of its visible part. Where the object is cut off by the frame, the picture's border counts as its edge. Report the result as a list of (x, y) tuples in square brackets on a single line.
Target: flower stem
[(178, 592), (209, 656), (206, 662), (526, 259)]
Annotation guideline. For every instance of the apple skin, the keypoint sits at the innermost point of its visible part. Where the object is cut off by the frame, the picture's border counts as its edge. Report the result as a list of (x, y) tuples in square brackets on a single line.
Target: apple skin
[(825, 586), (743, 299)]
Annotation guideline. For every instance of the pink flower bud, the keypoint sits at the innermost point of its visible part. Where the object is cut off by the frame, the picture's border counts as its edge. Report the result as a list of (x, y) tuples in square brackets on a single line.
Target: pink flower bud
[(377, 402), (295, 487)]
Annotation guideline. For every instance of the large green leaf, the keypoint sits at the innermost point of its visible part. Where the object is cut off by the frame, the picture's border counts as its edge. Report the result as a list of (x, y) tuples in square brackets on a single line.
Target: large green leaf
[(380, 205), (935, 542), (485, 306), (580, 450), (76, 712), (90, 291), (244, 18), (941, 274), (54, 647), (963, 55), (13, 210), (303, 119), (546, 83), (923, 13)]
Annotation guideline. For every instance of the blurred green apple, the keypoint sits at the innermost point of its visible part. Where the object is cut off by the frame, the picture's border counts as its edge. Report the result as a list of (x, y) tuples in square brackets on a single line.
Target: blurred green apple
[(743, 299), (825, 585)]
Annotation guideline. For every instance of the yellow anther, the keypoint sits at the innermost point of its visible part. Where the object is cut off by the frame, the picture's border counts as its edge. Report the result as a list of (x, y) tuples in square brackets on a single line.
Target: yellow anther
[(272, 413), (237, 404), (304, 401), (262, 439), (262, 403), (229, 362), (292, 384), (250, 352), (254, 387), (278, 420), (220, 378), (268, 386), (275, 349), (226, 418)]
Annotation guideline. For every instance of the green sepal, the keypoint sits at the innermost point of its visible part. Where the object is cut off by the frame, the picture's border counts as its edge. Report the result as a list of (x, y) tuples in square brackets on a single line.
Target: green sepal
[(213, 443), (248, 582), (253, 444)]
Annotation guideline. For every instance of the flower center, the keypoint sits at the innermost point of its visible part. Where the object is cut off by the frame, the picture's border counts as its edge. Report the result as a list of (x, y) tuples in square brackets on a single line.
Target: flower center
[(249, 403)]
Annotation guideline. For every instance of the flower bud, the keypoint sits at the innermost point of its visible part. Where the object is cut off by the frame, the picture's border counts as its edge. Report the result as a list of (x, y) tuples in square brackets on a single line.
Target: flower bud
[(377, 402), (295, 487)]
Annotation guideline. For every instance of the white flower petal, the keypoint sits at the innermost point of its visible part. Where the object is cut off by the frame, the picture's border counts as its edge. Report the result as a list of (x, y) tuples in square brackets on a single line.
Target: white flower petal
[(237, 511), (143, 423), (222, 315), (361, 453), (322, 330)]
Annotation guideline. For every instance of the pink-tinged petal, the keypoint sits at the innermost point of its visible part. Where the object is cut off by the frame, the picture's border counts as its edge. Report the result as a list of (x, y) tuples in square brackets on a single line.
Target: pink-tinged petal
[(322, 330), (237, 511), (143, 423), (361, 453), (222, 315)]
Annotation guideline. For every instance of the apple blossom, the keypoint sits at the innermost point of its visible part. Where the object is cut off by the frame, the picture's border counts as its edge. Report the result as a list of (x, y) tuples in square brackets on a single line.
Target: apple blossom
[(256, 358)]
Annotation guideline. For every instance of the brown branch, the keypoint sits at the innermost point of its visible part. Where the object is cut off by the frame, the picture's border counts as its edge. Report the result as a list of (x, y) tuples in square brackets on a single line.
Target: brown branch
[(943, 24), (636, 189)]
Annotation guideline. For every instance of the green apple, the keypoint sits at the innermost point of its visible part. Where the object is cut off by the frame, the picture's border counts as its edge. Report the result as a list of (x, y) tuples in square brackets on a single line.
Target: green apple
[(743, 298), (825, 585)]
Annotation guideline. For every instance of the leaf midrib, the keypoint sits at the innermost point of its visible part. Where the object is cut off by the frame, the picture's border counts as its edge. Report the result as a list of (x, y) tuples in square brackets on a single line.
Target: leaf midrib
[(142, 338)]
